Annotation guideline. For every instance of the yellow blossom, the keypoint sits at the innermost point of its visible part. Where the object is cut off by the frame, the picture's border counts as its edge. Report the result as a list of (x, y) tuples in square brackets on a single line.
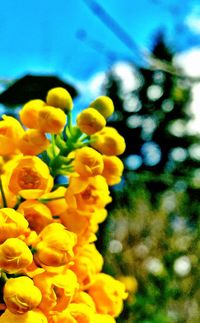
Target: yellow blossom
[(108, 294), (57, 290), (20, 295), (113, 169), (90, 121), (103, 318), (29, 113), (56, 206), (104, 105), (34, 316), (29, 177), (12, 225), (75, 313), (80, 223), (88, 162), (11, 198), (56, 246), (108, 142), (37, 214), (14, 255), (60, 98), (84, 298), (51, 119), (130, 283), (33, 142), (11, 132), (88, 194), (87, 263)]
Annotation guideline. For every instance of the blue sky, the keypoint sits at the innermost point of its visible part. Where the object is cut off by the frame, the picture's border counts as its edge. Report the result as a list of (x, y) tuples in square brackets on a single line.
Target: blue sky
[(66, 38)]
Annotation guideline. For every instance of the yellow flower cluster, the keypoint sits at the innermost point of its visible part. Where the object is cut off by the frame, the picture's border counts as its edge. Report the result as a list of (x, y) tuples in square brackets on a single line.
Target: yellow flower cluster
[(50, 269)]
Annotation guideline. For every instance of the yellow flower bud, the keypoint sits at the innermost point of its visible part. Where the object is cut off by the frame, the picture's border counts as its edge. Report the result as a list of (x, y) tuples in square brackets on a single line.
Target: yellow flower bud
[(88, 162), (113, 169), (108, 142), (60, 98), (11, 132), (34, 316), (33, 142), (20, 295), (104, 105), (12, 225), (37, 214), (29, 113), (57, 290), (108, 294), (56, 246), (51, 119), (90, 121), (14, 255)]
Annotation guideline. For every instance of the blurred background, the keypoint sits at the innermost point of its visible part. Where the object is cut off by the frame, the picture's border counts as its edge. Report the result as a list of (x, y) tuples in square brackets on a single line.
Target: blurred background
[(145, 55)]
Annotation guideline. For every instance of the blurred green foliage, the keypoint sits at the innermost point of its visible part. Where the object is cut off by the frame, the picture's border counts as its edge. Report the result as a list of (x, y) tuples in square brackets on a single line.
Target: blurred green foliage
[(152, 232)]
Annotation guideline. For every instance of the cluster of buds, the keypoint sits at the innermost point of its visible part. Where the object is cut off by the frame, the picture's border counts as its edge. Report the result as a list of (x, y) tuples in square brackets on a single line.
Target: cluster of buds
[(50, 268)]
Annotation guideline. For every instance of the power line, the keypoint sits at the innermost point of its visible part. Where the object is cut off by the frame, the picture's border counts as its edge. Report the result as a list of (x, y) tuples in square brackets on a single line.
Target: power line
[(115, 27)]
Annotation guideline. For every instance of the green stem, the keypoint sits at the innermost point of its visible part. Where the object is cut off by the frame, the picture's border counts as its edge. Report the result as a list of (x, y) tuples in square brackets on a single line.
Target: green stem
[(3, 194), (43, 200), (69, 122), (53, 142), (4, 276)]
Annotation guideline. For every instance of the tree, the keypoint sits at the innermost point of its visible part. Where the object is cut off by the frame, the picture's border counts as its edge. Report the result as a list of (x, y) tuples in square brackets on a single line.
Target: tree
[(153, 119)]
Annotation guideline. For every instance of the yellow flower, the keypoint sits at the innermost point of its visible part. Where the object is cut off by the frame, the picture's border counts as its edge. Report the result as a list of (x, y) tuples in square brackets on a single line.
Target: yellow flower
[(103, 318), (33, 142), (90, 121), (14, 255), (56, 246), (87, 263), (34, 316), (37, 214), (113, 169), (57, 290), (88, 194), (84, 298), (108, 294), (108, 142), (51, 119), (130, 283), (56, 206), (75, 313), (60, 98), (11, 132), (88, 162), (104, 105), (11, 198), (29, 177), (82, 313), (20, 295), (29, 113), (79, 223), (12, 225)]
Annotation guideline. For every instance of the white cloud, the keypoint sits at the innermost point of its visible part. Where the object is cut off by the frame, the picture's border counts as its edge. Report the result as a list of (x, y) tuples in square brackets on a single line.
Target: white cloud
[(189, 61), (127, 74), (192, 21)]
